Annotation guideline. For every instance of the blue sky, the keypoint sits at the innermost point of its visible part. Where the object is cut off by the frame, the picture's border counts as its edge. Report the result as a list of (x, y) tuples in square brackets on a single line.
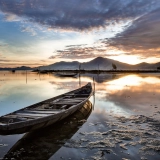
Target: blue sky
[(43, 32)]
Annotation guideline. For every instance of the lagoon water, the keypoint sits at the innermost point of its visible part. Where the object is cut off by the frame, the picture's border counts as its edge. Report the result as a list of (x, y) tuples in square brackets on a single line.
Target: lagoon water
[(124, 123)]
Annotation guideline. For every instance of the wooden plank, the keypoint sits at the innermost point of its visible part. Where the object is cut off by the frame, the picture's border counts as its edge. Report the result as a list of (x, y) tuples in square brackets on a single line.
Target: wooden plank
[(3, 124), (33, 114), (53, 101), (42, 111), (70, 94), (67, 103), (80, 98), (63, 107), (47, 102), (20, 116), (76, 94), (65, 99), (70, 100)]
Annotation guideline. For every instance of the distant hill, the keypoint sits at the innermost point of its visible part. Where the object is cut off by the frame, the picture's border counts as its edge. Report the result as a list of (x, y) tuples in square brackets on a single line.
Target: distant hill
[(98, 63), (17, 68), (61, 66), (154, 66), (104, 64), (95, 64)]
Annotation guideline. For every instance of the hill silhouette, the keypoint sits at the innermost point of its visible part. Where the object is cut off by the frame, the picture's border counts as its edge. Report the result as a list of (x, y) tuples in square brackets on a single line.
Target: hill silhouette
[(98, 63)]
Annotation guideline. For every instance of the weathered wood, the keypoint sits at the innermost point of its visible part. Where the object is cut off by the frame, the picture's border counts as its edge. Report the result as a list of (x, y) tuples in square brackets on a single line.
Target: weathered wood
[(42, 111), (69, 101), (2, 124), (47, 102), (77, 94), (33, 114), (63, 103), (63, 107), (73, 99), (73, 94), (20, 116), (79, 98)]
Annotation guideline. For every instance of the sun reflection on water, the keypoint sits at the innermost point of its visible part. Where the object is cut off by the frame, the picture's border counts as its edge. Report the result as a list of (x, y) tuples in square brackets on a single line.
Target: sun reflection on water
[(118, 94)]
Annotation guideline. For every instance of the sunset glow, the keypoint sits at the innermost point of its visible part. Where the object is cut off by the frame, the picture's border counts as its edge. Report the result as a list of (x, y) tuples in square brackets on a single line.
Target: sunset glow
[(80, 79), (130, 35)]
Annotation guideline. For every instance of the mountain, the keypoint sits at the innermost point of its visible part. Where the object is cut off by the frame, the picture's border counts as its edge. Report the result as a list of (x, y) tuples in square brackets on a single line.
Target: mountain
[(146, 66), (98, 63), (95, 64), (104, 64), (142, 65), (154, 66), (61, 66)]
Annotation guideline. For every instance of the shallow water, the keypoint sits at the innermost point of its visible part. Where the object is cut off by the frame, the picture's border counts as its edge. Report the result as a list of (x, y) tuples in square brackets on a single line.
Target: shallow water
[(124, 123)]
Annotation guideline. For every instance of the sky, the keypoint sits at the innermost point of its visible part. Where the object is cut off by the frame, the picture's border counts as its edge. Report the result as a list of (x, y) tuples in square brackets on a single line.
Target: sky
[(38, 32)]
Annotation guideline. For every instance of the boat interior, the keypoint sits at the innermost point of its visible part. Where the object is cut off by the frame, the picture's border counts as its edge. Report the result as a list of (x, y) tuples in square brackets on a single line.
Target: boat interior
[(48, 107)]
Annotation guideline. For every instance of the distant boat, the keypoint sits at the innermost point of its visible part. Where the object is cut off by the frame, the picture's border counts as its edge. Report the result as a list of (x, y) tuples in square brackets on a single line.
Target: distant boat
[(66, 74), (45, 113), (43, 71), (13, 71)]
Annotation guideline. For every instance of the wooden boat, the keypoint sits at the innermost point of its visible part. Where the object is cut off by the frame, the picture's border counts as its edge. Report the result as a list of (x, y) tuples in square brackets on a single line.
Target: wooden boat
[(45, 113), (52, 137)]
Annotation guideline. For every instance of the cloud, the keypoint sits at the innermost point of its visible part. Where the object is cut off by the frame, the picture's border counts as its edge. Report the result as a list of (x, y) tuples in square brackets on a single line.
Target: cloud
[(29, 30), (16, 63), (79, 14), (3, 44), (11, 18), (75, 52), (81, 52), (142, 37), (3, 59)]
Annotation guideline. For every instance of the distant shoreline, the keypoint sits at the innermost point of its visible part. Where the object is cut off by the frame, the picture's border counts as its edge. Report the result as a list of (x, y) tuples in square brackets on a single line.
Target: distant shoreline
[(95, 71), (105, 71)]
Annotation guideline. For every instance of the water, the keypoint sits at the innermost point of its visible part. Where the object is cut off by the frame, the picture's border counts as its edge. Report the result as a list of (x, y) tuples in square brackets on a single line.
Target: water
[(124, 123)]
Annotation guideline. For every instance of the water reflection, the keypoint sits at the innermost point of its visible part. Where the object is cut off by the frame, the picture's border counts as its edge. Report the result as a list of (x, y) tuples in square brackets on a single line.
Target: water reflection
[(120, 94), (134, 94), (16, 94), (116, 95), (47, 142)]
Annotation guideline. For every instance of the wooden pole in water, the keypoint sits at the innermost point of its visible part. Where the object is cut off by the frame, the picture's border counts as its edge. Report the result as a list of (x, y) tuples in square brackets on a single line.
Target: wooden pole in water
[(26, 76), (39, 74), (79, 80), (93, 93), (79, 75), (93, 86)]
